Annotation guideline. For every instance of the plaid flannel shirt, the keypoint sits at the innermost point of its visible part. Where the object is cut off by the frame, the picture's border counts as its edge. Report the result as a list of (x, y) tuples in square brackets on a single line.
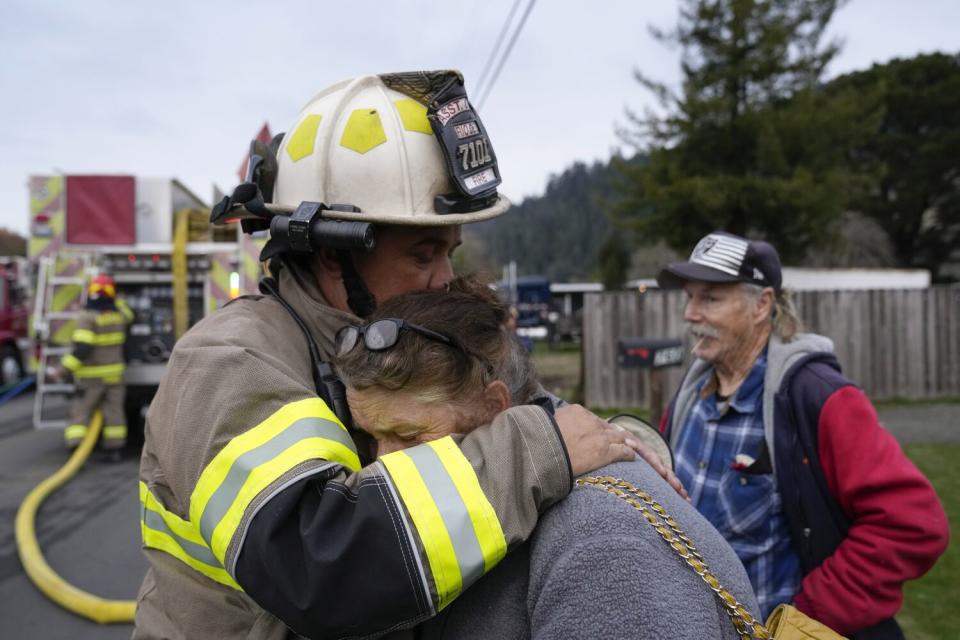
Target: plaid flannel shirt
[(740, 497)]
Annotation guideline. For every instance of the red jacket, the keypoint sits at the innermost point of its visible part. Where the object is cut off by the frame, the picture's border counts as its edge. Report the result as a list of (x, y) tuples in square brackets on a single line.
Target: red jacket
[(897, 529)]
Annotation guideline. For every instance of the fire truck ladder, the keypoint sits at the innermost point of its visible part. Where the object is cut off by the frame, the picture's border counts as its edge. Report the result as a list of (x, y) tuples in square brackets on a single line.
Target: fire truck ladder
[(50, 288)]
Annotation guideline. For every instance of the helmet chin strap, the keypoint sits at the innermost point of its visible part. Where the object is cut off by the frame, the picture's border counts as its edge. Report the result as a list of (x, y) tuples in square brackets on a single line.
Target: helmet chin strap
[(359, 298)]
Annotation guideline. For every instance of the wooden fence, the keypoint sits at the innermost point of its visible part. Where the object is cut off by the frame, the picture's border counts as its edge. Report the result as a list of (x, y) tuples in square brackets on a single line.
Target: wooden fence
[(893, 343)]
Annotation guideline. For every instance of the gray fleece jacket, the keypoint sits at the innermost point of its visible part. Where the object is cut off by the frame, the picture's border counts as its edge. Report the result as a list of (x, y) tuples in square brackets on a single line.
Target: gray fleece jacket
[(596, 569)]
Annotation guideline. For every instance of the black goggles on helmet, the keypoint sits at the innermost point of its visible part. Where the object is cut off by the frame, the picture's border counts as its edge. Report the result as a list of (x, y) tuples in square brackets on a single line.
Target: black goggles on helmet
[(383, 334)]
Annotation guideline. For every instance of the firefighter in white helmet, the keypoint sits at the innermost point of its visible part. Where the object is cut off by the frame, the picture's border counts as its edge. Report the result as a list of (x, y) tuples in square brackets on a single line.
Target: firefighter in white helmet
[(258, 514)]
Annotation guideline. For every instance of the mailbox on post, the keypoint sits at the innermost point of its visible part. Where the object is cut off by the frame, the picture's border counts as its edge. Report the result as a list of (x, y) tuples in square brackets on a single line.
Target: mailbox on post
[(641, 353), (654, 355)]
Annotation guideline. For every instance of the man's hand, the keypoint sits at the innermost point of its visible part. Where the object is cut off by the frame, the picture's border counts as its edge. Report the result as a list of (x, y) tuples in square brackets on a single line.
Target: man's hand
[(592, 443), (657, 464)]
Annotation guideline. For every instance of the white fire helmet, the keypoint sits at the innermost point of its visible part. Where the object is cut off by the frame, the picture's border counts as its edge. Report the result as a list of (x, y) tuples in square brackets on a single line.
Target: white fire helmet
[(369, 143)]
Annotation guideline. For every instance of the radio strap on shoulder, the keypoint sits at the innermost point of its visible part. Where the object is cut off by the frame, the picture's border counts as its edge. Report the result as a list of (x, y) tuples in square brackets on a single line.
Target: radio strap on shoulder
[(326, 382)]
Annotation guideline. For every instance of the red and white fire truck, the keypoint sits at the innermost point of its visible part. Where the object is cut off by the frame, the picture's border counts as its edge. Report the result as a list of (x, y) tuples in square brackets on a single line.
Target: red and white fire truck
[(151, 235)]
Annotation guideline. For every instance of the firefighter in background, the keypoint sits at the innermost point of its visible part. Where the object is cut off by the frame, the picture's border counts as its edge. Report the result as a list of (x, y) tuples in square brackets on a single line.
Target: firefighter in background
[(96, 364)]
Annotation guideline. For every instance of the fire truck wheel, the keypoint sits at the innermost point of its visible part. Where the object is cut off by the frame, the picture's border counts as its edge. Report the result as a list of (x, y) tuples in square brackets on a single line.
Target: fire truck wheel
[(11, 368)]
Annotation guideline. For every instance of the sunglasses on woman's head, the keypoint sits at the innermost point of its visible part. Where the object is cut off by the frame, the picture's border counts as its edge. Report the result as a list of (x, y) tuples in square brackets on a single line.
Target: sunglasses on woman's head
[(383, 334)]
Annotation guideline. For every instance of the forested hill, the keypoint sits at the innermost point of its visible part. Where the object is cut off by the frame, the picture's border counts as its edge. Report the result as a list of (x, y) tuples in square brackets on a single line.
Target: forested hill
[(558, 234)]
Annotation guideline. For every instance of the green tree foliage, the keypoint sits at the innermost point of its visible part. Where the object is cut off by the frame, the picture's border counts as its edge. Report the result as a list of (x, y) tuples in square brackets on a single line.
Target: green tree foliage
[(614, 260), (752, 144), (558, 234), (915, 155)]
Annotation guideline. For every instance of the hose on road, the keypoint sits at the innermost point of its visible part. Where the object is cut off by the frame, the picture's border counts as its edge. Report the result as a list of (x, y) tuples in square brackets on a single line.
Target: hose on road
[(45, 578)]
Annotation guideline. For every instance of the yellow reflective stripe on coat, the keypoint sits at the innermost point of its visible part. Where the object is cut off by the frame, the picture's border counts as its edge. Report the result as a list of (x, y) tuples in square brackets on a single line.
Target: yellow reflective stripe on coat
[(125, 310), (110, 317), (99, 340), (297, 432), (172, 534), (71, 362), (112, 371), (84, 335), (110, 339), (486, 524), (457, 525)]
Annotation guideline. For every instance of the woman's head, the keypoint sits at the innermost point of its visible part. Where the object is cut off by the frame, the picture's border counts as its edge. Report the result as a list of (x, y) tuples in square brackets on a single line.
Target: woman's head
[(423, 387)]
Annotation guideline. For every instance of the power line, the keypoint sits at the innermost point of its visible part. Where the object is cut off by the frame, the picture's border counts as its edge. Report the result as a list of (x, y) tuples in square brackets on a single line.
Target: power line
[(506, 54), (496, 46)]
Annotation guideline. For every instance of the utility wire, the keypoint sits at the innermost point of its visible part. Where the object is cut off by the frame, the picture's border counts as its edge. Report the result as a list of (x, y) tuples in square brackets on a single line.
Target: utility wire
[(506, 54), (496, 46)]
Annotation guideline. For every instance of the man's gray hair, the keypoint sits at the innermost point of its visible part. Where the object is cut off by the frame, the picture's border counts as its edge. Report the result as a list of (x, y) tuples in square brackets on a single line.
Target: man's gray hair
[(784, 321)]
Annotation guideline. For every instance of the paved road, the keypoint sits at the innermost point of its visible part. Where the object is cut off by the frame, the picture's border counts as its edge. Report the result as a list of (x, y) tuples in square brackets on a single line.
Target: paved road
[(923, 423), (90, 534), (88, 530)]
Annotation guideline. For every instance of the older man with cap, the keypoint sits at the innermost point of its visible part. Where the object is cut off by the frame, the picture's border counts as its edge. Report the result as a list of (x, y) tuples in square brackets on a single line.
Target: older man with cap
[(786, 457)]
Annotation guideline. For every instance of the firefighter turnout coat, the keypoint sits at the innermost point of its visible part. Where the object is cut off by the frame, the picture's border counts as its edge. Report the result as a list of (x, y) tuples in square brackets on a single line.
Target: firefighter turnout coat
[(96, 363), (258, 519)]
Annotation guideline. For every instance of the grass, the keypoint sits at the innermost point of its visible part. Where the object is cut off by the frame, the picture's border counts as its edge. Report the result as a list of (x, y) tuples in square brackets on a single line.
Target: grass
[(559, 369), (890, 403), (930, 610)]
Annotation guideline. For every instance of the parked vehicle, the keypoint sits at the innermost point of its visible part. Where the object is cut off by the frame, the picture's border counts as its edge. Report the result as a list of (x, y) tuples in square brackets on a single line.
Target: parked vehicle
[(14, 314)]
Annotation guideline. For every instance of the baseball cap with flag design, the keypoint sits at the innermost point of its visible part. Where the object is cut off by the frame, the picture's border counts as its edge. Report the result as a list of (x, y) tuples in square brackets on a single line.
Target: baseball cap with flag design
[(724, 257)]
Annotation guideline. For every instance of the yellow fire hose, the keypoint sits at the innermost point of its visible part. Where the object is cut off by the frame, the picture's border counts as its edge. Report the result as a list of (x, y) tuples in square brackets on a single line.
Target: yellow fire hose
[(52, 585)]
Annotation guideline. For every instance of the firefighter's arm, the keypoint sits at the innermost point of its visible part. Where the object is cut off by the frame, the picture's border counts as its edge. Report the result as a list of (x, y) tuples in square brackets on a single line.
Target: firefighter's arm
[(125, 310), (84, 337), (343, 554)]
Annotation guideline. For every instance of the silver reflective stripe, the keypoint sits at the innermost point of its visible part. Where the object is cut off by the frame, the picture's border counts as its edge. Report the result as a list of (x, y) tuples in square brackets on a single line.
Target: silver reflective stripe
[(154, 520), (227, 492), (456, 516)]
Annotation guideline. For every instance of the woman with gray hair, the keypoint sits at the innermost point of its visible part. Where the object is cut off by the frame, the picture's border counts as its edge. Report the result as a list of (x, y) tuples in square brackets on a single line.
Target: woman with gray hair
[(431, 365)]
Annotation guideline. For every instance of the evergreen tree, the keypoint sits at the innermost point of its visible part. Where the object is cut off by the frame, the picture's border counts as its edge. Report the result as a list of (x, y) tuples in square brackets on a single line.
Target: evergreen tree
[(558, 234), (915, 154), (12, 243), (752, 144), (614, 260)]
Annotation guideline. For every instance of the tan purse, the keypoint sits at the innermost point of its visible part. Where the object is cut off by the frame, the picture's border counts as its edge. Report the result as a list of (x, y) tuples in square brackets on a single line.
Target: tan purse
[(785, 623)]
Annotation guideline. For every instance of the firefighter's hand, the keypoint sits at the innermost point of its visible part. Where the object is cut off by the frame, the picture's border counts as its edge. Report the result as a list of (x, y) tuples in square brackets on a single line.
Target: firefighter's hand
[(654, 460), (592, 443), (56, 374)]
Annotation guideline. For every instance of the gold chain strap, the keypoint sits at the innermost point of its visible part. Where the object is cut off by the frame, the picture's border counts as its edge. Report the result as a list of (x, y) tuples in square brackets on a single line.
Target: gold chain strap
[(747, 626)]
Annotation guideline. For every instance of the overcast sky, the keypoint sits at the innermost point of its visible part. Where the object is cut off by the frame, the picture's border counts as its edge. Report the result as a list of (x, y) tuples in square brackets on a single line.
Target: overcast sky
[(177, 88)]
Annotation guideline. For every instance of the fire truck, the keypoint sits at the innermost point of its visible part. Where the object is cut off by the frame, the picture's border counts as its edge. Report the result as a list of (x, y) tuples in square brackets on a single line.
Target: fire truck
[(152, 235)]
